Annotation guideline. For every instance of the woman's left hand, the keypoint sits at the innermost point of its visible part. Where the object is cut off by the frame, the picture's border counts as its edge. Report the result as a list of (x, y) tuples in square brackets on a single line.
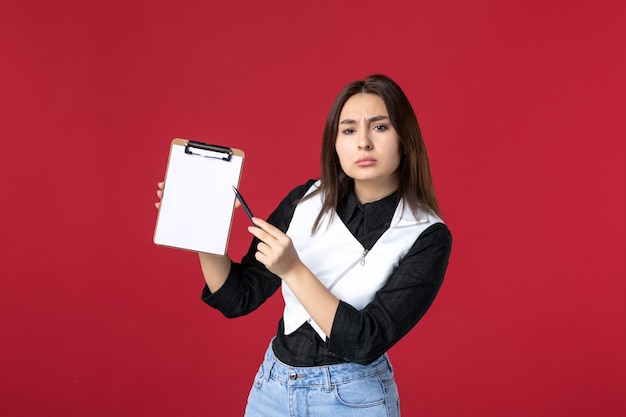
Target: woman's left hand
[(275, 249)]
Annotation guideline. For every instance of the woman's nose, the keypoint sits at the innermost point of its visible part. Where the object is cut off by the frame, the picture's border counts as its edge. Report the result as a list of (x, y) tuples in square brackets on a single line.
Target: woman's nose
[(364, 141)]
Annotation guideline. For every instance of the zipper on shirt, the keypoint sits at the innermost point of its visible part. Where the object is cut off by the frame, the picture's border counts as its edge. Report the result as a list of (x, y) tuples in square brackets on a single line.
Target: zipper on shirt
[(360, 261), (365, 251)]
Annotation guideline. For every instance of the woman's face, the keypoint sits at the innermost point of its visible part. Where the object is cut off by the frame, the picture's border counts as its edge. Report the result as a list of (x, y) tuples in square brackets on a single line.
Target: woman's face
[(368, 147)]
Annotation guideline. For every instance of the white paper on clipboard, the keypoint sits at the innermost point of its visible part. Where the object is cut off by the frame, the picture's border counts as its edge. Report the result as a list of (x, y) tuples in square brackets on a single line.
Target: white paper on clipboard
[(197, 207)]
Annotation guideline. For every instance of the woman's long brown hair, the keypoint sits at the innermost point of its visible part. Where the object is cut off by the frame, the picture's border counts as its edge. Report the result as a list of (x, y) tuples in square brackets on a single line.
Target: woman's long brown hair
[(416, 186)]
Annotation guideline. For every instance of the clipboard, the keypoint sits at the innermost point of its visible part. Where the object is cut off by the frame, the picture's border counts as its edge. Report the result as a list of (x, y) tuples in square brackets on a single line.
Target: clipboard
[(198, 202)]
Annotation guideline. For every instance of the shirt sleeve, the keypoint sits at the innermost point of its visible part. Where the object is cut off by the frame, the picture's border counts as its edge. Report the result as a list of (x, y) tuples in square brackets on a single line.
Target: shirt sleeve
[(249, 283), (361, 336)]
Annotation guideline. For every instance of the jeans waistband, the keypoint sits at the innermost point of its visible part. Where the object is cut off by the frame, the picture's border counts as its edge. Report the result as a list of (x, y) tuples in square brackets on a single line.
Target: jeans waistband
[(327, 375)]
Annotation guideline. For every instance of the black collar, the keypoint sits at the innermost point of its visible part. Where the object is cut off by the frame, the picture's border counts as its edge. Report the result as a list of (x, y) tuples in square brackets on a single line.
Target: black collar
[(375, 214)]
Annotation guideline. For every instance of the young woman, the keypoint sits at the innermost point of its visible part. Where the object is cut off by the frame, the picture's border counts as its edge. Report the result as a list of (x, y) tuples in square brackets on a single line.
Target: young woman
[(359, 255)]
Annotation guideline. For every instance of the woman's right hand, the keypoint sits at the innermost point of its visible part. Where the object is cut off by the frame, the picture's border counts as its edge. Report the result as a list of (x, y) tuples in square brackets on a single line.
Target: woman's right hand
[(159, 193)]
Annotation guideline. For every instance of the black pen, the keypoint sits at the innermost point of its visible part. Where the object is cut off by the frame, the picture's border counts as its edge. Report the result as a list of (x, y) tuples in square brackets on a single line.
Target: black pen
[(243, 203)]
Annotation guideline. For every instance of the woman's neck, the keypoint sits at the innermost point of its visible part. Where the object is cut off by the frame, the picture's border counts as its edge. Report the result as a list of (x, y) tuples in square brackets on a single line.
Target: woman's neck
[(367, 191)]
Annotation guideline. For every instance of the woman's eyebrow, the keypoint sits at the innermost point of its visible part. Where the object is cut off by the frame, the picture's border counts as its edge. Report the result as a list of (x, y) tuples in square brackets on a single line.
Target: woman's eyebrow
[(372, 119), (378, 118)]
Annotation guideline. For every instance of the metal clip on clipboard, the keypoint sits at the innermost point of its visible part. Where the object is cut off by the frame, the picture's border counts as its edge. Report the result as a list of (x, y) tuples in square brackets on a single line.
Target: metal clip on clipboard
[(207, 150)]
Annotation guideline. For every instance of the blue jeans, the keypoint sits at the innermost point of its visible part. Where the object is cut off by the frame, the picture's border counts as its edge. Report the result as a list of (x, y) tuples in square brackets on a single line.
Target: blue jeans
[(341, 390)]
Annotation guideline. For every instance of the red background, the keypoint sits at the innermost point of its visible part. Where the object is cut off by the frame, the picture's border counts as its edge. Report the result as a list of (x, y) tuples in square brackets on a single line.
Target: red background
[(522, 105)]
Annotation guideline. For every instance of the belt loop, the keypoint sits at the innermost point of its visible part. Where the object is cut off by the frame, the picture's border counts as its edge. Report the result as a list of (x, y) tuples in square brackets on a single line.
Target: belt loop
[(327, 381), (389, 366), (270, 368)]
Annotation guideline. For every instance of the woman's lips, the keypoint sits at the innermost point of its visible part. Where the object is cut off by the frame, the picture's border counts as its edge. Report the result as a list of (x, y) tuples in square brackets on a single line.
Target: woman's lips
[(365, 161)]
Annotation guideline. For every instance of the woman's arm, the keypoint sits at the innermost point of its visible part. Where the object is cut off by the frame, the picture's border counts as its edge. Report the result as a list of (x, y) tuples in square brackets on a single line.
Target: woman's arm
[(276, 251), (246, 285), (215, 269), (361, 336)]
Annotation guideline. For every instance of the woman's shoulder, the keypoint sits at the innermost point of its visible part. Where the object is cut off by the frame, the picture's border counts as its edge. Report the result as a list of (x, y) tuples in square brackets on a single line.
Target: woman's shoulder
[(436, 236), (298, 192), (281, 217)]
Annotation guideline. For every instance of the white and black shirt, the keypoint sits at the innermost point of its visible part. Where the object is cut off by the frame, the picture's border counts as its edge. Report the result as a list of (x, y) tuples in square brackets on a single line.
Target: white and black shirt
[(358, 335)]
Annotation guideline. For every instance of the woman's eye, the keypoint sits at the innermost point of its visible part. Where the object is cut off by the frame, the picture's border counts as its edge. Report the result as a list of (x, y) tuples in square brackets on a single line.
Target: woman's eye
[(380, 127), (348, 131)]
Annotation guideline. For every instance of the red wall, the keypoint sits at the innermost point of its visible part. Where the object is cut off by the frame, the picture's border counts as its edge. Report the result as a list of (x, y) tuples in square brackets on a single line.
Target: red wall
[(522, 108)]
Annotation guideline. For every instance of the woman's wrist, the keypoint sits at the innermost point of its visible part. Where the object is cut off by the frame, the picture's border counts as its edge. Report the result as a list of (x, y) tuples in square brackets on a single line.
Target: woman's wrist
[(296, 274)]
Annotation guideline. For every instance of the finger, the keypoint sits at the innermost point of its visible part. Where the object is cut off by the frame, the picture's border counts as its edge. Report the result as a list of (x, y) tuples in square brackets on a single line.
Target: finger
[(157, 205), (260, 234), (273, 231), (161, 184), (237, 203), (260, 257), (263, 248), (160, 193), (278, 238), (262, 253), (259, 222)]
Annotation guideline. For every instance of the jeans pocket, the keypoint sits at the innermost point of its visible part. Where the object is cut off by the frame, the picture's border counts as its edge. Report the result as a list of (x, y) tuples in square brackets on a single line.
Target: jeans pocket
[(361, 393)]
